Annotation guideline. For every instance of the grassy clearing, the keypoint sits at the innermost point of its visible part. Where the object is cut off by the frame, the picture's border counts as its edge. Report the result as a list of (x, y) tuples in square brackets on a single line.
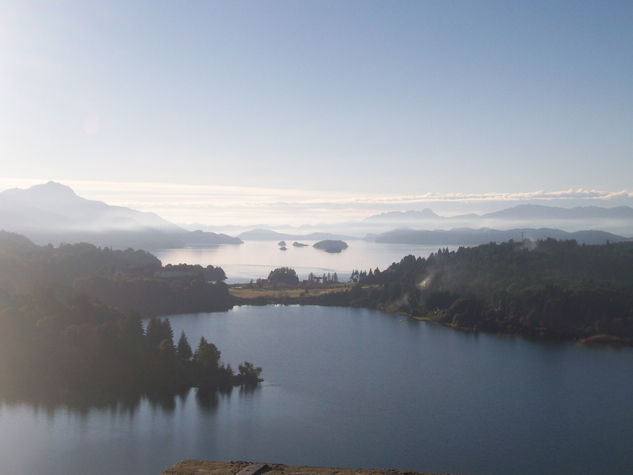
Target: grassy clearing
[(248, 293)]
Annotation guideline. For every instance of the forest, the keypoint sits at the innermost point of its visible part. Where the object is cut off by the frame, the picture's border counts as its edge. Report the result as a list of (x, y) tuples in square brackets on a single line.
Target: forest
[(70, 322), (549, 288)]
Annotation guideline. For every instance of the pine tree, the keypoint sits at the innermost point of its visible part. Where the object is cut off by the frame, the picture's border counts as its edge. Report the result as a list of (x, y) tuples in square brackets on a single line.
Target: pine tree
[(184, 349)]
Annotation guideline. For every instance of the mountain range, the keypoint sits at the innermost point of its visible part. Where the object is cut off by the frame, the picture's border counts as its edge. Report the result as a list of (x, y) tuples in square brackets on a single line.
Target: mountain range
[(515, 213), (54, 213), (474, 237)]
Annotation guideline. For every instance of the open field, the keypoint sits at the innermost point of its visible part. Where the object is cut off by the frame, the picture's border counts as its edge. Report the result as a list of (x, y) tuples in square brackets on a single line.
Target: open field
[(250, 293)]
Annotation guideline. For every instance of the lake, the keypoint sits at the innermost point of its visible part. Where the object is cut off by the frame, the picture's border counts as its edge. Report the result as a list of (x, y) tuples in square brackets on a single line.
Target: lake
[(255, 259), (355, 388)]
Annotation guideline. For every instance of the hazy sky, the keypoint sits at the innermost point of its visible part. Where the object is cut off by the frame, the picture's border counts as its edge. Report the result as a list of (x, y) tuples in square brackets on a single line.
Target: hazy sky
[(349, 100)]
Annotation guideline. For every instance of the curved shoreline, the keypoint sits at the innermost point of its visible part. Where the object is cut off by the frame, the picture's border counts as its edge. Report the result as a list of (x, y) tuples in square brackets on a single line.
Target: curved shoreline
[(338, 297)]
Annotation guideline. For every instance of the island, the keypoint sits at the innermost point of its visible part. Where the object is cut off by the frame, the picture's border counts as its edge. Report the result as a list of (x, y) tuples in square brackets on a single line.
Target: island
[(331, 246), (299, 244)]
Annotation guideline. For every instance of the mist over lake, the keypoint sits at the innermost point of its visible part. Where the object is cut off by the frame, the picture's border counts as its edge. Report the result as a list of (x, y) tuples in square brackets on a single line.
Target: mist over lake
[(255, 259)]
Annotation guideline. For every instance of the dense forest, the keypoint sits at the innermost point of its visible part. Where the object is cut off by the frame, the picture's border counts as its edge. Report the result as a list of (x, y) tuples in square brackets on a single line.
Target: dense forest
[(548, 288), (70, 322)]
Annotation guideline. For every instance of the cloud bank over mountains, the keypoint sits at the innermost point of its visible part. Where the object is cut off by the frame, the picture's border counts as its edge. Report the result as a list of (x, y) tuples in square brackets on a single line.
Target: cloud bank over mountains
[(225, 205)]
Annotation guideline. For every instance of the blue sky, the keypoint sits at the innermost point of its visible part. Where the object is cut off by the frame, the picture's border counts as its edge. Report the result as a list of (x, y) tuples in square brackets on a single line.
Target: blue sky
[(345, 99)]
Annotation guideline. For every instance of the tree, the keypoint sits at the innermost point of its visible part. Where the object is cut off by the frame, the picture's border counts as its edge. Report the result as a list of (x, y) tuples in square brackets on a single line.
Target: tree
[(248, 373), (184, 349), (283, 275), (207, 355), (157, 331)]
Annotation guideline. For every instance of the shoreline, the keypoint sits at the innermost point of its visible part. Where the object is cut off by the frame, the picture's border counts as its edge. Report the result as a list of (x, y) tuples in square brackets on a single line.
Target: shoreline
[(294, 296)]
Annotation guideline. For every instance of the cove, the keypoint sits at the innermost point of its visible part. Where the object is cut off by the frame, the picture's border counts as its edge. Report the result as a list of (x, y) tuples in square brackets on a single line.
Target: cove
[(355, 388)]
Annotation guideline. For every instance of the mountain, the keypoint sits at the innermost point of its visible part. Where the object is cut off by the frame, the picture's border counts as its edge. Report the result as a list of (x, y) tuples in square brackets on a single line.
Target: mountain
[(54, 213), (403, 216), (534, 212), (473, 237), (58, 207), (517, 213), (618, 220)]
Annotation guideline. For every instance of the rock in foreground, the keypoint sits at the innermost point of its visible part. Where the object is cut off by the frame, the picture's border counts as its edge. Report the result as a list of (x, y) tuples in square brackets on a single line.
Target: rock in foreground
[(200, 467)]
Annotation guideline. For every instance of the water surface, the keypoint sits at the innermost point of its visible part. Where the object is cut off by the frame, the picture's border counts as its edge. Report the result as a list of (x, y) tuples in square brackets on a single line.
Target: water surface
[(255, 259), (354, 387)]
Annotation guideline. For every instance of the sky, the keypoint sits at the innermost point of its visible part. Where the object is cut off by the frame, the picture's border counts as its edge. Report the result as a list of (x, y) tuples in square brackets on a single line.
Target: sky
[(290, 111)]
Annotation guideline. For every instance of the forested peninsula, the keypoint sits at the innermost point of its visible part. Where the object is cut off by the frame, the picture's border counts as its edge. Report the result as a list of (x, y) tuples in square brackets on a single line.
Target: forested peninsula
[(549, 288), (70, 323)]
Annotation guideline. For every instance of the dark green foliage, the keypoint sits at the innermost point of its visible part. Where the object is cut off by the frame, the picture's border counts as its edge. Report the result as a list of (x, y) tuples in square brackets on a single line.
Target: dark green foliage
[(58, 337), (184, 349), (94, 350), (248, 373), (132, 281), (209, 273), (555, 288), (284, 276)]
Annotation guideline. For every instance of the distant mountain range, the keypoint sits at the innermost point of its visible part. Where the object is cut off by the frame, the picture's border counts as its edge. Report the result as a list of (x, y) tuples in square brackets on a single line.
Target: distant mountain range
[(473, 237), (522, 212), (54, 213)]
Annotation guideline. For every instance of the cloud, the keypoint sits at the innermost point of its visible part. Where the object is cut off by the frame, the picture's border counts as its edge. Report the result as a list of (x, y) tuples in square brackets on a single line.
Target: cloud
[(226, 204)]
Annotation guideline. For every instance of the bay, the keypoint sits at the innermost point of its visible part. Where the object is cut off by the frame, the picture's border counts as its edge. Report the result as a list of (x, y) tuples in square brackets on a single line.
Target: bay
[(355, 388)]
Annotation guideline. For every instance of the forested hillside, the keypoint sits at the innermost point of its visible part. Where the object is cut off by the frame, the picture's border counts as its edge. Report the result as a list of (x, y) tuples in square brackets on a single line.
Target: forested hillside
[(551, 288), (70, 322)]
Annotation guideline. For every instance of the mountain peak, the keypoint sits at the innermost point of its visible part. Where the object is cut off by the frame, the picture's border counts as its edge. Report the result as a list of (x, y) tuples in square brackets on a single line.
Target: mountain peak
[(45, 194), (52, 187)]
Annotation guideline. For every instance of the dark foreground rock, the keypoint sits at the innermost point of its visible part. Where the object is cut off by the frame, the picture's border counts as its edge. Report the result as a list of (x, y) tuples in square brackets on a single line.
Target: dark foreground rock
[(202, 467)]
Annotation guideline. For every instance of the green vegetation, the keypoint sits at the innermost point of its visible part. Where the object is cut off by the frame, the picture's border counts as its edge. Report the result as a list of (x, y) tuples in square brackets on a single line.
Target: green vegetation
[(548, 288), (283, 276), (70, 323)]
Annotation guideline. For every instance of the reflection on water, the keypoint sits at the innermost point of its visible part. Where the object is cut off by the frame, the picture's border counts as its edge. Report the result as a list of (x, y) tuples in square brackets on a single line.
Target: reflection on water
[(352, 387), (119, 405)]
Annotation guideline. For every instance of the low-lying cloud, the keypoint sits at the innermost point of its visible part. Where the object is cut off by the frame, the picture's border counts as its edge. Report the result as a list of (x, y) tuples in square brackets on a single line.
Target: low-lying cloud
[(238, 205)]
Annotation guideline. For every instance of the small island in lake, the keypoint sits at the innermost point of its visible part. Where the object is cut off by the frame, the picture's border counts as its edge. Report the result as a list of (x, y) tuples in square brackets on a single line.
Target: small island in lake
[(331, 246), (299, 244), (281, 243)]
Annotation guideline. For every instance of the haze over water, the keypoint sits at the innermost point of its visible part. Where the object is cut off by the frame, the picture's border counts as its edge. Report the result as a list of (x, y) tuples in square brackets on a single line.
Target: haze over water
[(255, 259)]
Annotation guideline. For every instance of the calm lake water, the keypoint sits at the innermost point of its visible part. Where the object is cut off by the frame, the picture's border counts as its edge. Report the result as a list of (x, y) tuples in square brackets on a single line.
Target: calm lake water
[(356, 388), (254, 259)]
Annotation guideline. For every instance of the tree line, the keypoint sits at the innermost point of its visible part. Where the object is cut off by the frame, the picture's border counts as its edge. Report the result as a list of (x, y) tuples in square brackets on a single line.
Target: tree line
[(549, 288)]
